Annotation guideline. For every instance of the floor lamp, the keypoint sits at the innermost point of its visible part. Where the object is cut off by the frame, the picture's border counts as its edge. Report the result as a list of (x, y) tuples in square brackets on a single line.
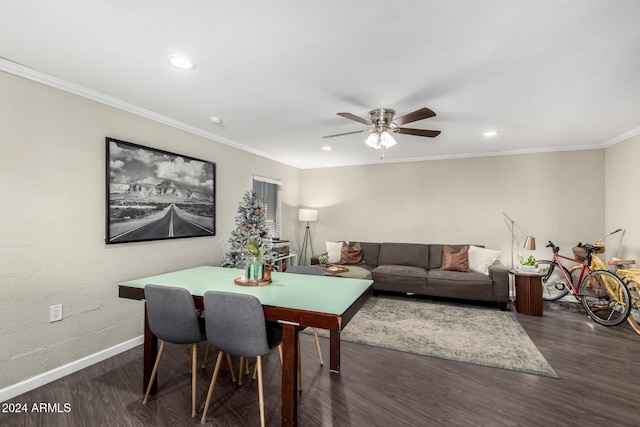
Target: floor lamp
[(529, 242), (308, 215)]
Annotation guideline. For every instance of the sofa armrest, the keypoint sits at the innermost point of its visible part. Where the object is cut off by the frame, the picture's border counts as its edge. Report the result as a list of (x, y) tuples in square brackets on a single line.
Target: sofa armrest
[(499, 275)]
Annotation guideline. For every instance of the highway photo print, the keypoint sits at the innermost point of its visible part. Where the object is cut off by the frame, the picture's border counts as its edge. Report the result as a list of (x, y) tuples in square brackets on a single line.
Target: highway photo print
[(155, 195)]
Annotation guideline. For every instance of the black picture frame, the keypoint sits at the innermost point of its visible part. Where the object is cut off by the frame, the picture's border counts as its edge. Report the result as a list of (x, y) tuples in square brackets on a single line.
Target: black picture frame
[(153, 194)]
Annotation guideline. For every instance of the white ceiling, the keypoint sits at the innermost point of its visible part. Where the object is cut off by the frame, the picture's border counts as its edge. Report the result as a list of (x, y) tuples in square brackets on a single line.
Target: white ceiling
[(547, 74)]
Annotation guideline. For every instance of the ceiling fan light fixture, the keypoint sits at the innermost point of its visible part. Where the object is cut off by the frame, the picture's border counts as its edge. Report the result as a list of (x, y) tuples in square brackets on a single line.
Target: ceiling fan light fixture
[(373, 141), (386, 140)]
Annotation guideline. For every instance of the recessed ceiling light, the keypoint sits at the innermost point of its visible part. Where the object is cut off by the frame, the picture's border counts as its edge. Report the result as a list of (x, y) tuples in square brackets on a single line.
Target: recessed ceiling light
[(215, 119), (490, 133), (181, 62), (326, 148)]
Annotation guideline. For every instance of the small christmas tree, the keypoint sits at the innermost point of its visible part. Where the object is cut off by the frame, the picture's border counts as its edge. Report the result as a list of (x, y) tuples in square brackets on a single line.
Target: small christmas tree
[(251, 225)]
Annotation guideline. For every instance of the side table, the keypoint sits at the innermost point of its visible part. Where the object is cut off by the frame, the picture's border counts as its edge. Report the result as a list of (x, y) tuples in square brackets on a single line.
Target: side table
[(529, 294)]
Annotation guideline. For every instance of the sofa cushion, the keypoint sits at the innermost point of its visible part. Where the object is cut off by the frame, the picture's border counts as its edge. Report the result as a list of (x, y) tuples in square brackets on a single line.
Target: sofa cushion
[(455, 260), (410, 254), (370, 252), (480, 259), (401, 271), (455, 284)]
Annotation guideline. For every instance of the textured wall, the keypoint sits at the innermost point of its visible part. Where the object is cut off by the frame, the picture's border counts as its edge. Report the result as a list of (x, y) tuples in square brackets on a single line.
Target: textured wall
[(461, 200), (52, 216)]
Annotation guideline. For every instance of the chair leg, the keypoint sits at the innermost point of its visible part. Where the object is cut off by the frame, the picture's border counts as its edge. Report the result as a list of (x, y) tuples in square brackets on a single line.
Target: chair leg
[(280, 352), (315, 333), (206, 355), (240, 370), (260, 390), (231, 369), (154, 372), (194, 376), (216, 370)]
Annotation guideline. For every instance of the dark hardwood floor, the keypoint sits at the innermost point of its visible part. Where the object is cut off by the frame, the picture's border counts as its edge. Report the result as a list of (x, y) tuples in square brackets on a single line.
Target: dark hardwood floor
[(599, 368)]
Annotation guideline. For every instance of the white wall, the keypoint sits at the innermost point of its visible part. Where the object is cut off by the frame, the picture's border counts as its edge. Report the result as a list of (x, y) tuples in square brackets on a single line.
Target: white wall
[(622, 196), (461, 201), (52, 222)]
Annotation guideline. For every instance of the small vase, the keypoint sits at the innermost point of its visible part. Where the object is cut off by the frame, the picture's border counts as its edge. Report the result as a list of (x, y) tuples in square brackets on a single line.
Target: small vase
[(258, 271), (249, 268)]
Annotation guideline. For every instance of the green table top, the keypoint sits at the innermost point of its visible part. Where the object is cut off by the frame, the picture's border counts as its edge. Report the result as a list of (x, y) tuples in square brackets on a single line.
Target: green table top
[(304, 292)]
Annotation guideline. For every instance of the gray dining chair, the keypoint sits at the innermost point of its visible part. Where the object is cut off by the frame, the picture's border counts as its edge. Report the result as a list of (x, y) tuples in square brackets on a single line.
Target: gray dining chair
[(314, 271), (172, 317), (237, 326)]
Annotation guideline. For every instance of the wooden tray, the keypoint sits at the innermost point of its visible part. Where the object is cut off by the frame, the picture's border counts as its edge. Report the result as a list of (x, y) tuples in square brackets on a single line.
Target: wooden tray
[(334, 269), (241, 282)]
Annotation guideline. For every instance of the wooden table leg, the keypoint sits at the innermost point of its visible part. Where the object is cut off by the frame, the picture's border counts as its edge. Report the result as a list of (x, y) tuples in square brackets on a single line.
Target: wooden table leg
[(150, 350), (334, 351), (289, 374)]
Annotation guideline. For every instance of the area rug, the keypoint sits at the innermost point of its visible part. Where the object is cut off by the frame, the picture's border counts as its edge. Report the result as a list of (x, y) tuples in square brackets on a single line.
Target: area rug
[(463, 332)]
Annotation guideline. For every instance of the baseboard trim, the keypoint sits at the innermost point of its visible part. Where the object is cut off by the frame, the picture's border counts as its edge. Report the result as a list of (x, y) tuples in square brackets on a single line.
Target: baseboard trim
[(62, 371)]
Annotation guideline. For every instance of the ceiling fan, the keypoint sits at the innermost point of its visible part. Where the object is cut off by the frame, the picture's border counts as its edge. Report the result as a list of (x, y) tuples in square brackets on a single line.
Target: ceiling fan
[(383, 125)]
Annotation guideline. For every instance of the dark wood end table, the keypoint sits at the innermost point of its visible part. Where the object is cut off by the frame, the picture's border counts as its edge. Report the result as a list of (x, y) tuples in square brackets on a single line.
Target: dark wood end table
[(529, 293)]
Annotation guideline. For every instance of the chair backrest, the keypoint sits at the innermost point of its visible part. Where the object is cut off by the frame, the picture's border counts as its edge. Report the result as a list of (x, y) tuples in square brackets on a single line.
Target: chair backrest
[(236, 324), (171, 313), (305, 269)]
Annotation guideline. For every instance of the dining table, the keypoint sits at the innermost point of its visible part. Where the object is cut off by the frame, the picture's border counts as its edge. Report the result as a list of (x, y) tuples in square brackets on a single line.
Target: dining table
[(296, 301)]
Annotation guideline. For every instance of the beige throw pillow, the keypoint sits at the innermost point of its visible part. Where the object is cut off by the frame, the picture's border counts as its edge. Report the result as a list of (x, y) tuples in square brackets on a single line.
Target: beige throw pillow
[(334, 250), (455, 261), (481, 258)]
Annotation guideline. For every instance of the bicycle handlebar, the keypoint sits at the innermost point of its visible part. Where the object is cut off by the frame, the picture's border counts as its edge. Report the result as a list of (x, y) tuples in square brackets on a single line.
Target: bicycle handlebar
[(556, 249)]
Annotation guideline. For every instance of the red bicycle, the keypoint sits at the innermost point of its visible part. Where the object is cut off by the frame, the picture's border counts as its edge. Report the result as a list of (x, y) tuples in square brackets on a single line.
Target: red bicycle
[(603, 295)]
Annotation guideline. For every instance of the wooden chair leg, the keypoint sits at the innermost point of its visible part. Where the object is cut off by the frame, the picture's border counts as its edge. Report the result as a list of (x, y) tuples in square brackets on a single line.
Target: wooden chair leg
[(216, 370), (240, 370), (154, 372), (231, 369), (206, 355), (280, 352), (194, 376), (260, 390), (315, 333)]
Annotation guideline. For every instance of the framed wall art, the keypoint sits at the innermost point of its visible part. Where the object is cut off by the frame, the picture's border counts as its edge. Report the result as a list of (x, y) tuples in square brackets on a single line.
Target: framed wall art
[(155, 195)]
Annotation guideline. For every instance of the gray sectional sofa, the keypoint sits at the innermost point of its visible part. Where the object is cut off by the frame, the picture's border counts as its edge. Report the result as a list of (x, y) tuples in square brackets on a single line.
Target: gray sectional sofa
[(415, 268)]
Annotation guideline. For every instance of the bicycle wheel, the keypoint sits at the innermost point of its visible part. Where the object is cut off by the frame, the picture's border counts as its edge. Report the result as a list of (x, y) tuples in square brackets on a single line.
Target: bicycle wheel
[(605, 298), (634, 314), (554, 284)]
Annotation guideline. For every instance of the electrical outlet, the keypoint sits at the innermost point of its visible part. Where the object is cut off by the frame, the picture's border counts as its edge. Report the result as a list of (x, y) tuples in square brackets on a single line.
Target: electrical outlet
[(55, 313)]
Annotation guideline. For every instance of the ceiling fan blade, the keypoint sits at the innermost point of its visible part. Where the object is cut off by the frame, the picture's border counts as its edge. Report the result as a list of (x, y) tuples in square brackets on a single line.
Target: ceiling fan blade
[(418, 132), (423, 113), (354, 117), (346, 133)]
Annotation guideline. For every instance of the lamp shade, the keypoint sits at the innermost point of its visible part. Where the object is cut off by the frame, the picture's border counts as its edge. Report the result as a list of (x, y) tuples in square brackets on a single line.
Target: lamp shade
[(309, 215), (530, 243)]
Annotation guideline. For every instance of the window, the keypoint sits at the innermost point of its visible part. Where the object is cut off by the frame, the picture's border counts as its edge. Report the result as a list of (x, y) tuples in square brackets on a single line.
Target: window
[(269, 194)]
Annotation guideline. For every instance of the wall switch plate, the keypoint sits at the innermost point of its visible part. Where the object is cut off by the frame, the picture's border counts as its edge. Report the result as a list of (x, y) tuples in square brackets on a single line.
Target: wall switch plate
[(55, 313)]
